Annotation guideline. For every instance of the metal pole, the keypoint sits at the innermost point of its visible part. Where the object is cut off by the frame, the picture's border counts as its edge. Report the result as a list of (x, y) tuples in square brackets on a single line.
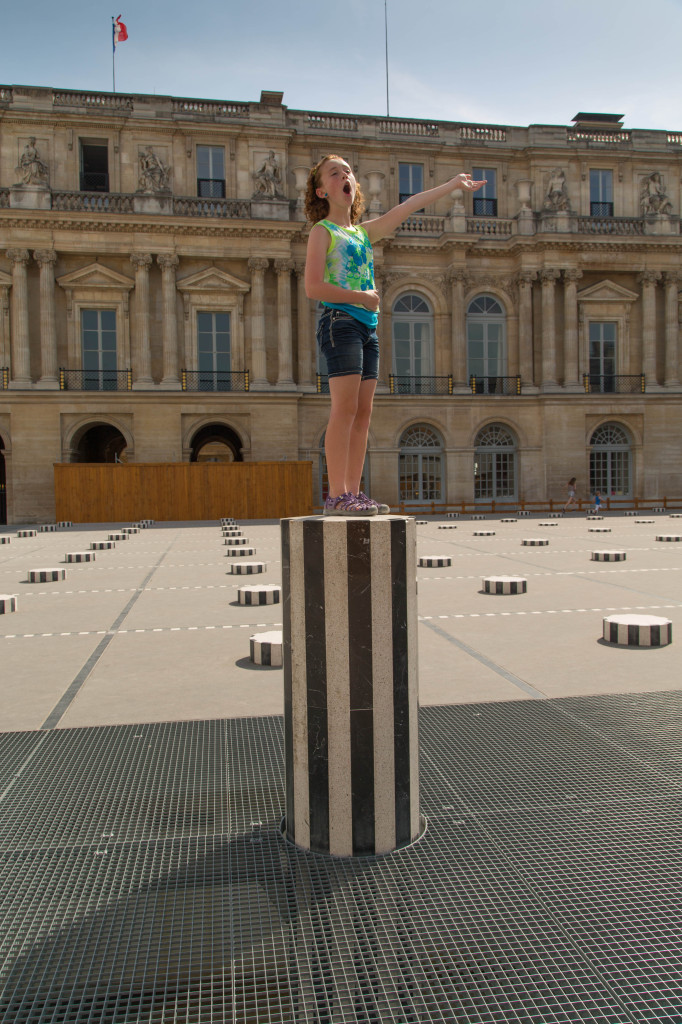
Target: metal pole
[(113, 54), (388, 112)]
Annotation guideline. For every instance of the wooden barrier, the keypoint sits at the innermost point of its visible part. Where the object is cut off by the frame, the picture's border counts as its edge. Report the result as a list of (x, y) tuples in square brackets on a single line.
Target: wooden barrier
[(181, 491)]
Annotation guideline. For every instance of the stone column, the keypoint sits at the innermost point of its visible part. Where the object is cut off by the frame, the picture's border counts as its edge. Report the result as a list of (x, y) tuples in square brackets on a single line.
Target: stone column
[(306, 342), (458, 280), (143, 361), (169, 325), (549, 279), (525, 281), (672, 329), (21, 355), (350, 684), (259, 377), (46, 259), (285, 379), (571, 367), (648, 279)]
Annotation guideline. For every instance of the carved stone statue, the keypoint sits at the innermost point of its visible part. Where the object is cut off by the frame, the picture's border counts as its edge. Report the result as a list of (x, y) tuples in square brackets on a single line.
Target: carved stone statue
[(653, 197), (154, 175), (32, 170), (268, 177), (556, 196)]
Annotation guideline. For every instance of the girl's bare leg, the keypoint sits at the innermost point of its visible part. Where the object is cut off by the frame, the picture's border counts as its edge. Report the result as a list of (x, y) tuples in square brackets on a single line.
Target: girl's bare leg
[(358, 435), (344, 393)]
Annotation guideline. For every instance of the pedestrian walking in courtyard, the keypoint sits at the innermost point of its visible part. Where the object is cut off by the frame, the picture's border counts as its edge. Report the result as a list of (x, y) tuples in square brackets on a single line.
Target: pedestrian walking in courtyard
[(596, 508), (339, 273), (571, 494)]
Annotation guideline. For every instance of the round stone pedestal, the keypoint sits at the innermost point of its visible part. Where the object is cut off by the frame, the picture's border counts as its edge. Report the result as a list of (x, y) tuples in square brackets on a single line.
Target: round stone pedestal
[(102, 545), (266, 648), (534, 542), (434, 561), (608, 556), (638, 630), (27, 533), (80, 556), (8, 603), (237, 552), (484, 533), (265, 593), (246, 568), (4, 539), (509, 520), (46, 575), (48, 528), (669, 537), (505, 585), (236, 542), (599, 529), (447, 526), (117, 536)]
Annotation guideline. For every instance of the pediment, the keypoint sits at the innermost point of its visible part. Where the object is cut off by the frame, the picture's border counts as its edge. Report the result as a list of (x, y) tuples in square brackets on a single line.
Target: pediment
[(96, 275), (607, 291), (210, 280), (5, 280)]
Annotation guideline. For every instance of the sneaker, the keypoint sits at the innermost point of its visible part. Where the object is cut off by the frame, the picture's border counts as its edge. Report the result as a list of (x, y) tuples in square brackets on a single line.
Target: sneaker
[(348, 505), (382, 509)]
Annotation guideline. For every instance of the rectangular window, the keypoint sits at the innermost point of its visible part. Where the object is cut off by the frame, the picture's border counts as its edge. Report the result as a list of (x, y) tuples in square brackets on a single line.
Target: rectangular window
[(213, 351), (410, 180), (211, 172), (601, 193), (94, 174), (485, 200), (98, 347), (602, 356)]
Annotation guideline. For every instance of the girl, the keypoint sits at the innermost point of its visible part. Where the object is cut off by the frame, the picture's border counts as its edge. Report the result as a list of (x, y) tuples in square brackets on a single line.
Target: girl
[(339, 272), (571, 493)]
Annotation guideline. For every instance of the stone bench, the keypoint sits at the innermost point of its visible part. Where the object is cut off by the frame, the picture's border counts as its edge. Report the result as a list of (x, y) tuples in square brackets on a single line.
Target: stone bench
[(669, 537), (535, 542), (27, 533), (483, 533), (637, 630), (265, 593), (117, 536), (266, 648), (246, 568), (48, 528), (8, 603), (80, 556), (434, 561), (239, 552), (102, 545), (608, 556), (504, 584), (46, 575)]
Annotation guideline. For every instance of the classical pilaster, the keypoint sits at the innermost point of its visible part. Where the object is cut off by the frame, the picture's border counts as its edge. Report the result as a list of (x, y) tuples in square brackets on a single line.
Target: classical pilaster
[(285, 379), (672, 329), (259, 379), (648, 280), (306, 350), (49, 378), (21, 356), (571, 363), (549, 278), (458, 341), (142, 364), (169, 323), (525, 280)]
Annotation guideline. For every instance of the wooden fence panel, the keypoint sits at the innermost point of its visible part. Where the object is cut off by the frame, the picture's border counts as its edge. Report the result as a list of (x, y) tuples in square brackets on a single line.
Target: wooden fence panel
[(181, 491)]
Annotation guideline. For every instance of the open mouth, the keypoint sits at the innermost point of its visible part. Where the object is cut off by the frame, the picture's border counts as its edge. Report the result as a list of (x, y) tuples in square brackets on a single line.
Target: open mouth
[(347, 189)]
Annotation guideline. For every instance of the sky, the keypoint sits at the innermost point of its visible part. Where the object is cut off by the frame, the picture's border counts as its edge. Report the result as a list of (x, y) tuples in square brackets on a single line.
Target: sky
[(492, 62)]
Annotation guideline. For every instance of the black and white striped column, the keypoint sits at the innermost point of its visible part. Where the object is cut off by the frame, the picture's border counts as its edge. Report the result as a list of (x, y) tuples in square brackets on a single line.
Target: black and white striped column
[(350, 683)]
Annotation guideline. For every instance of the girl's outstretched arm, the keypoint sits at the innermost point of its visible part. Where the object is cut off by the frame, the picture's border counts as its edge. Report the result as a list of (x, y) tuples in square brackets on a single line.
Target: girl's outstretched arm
[(388, 222)]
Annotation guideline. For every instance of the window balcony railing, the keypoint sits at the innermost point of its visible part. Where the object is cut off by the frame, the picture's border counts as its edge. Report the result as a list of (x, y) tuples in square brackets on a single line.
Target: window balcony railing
[(94, 181), (4, 377), (614, 384), (215, 380), (95, 380), (611, 225), (322, 384), (495, 385), (211, 188), (404, 384), (92, 202)]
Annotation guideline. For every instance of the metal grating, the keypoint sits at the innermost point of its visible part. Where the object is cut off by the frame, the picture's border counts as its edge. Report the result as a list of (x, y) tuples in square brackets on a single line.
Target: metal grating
[(143, 877)]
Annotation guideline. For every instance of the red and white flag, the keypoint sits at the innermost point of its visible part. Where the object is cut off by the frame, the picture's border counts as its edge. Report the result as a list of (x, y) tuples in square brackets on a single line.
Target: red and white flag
[(120, 31)]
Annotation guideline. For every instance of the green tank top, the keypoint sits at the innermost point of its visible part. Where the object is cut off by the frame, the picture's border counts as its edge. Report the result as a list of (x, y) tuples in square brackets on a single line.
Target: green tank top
[(350, 264)]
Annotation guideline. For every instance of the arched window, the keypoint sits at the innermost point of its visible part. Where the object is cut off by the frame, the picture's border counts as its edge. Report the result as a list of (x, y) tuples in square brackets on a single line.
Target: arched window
[(611, 461), (495, 464), (421, 465), (412, 344), (486, 344)]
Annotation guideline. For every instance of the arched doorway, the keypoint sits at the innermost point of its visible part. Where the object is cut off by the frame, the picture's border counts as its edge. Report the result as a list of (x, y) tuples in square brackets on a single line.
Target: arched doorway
[(3, 485), (495, 464), (216, 443), (100, 442), (611, 461), (421, 465)]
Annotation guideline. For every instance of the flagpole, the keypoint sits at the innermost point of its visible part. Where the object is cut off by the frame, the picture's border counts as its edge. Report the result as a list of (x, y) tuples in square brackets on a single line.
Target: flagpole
[(388, 113), (113, 55)]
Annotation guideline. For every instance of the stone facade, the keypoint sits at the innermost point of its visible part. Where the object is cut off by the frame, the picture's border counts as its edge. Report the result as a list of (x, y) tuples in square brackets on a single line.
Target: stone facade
[(152, 252)]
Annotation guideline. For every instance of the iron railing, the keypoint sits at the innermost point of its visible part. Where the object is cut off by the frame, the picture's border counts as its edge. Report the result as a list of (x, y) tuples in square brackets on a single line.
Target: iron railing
[(614, 384), (211, 188), (403, 384), (95, 380), (215, 380), (495, 385), (94, 181), (4, 377)]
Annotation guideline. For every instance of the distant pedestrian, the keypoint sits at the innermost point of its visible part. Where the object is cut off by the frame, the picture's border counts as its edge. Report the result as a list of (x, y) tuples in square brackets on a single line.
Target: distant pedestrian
[(596, 508), (571, 494)]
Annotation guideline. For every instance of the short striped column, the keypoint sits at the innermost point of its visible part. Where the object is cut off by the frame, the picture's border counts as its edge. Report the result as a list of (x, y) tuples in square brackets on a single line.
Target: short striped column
[(535, 542), (483, 533), (632, 513), (658, 508), (645, 522), (80, 556), (232, 552), (117, 536), (452, 515), (505, 585), (65, 524), (669, 537), (264, 593), (675, 515), (476, 518), (5, 539), (638, 630), (599, 529), (434, 561), (235, 542), (27, 533), (523, 512), (46, 575), (447, 526), (130, 530), (245, 568), (555, 515), (509, 520), (8, 603), (266, 648), (609, 556), (422, 522), (102, 545), (548, 524), (350, 683), (594, 519), (48, 528)]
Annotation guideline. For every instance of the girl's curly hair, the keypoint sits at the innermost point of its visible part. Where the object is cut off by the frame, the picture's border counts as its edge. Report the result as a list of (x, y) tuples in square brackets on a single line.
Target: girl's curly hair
[(316, 209)]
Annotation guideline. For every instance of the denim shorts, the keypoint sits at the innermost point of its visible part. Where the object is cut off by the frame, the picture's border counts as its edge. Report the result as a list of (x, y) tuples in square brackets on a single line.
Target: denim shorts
[(348, 345)]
